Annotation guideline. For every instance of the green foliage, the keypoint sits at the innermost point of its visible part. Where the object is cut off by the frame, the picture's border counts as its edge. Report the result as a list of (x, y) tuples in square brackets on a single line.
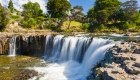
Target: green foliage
[(4, 16), (10, 6), (76, 12), (29, 24), (103, 10), (31, 10), (130, 8), (15, 16), (58, 8), (91, 13), (126, 25), (101, 27), (85, 26)]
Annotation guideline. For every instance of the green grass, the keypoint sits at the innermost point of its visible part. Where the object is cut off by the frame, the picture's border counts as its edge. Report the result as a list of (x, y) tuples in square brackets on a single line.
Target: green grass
[(73, 23)]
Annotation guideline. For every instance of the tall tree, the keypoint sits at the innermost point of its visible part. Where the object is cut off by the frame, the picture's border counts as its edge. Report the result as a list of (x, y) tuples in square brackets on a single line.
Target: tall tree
[(91, 15), (4, 16), (31, 10), (76, 14), (10, 6), (104, 9), (58, 8), (131, 10)]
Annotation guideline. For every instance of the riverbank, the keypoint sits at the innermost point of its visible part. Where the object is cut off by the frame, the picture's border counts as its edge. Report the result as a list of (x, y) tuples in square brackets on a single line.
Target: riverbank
[(14, 68), (122, 62)]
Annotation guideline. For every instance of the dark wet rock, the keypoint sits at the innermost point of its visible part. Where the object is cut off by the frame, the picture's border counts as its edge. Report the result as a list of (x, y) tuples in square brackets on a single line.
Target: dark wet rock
[(137, 51), (126, 35)]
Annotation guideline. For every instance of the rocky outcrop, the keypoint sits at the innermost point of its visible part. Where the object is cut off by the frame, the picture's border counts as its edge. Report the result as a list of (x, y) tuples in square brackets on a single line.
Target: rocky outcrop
[(122, 62), (4, 44), (31, 45), (26, 44)]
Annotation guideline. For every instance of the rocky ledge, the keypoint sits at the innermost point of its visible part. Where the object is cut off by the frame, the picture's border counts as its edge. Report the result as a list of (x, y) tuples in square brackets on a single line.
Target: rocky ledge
[(122, 62)]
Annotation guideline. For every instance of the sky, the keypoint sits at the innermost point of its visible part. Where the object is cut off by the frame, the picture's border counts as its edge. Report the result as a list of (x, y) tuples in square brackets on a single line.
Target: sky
[(87, 4)]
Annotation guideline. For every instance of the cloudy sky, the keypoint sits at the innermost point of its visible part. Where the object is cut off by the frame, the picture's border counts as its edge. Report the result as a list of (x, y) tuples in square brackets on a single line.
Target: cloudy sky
[(87, 4)]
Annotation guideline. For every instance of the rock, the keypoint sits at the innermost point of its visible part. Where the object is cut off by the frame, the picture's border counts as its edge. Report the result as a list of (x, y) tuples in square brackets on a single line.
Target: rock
[(25, 75), (137, 51), (122, 62), (134, 70), (137, 64), (126, 35)]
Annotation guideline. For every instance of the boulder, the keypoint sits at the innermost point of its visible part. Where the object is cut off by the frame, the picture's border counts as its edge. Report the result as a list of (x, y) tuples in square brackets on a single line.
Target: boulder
[(137, 51)]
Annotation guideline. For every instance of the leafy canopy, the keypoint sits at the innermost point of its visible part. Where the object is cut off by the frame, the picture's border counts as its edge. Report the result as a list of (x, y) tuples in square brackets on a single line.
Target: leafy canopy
[(131, 10), (58, 8), (4, 15), (10, 6), (31, 10), (104, 9)]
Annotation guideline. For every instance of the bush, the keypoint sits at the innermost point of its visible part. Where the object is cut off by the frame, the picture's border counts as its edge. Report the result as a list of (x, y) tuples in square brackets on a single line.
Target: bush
[(15, 16), (126, 25), (30, 23), (5, 22), (85, 26), (102, 27)]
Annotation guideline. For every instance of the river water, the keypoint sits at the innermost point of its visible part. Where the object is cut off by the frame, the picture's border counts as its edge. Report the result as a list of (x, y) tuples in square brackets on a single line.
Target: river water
[(65, 57)]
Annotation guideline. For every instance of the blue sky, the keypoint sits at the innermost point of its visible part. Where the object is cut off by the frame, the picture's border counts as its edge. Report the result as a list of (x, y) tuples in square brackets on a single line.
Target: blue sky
[(87, 4)]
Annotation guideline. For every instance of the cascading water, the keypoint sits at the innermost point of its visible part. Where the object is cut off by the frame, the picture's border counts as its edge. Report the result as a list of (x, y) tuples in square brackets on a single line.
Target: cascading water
[(12, 47), (74, 56)]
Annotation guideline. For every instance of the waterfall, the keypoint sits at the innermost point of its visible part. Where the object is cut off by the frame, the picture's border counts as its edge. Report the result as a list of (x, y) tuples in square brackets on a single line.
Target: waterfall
[(72, 57), (57, 42), (12, 47)]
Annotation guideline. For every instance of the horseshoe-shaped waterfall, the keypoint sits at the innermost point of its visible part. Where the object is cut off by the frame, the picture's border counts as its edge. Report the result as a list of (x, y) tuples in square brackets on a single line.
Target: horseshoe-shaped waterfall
[(70, 58)]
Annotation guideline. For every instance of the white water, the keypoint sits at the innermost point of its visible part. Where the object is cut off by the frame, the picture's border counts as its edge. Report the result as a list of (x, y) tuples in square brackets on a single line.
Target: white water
[(117, 35), (12, 47), (75, 57)]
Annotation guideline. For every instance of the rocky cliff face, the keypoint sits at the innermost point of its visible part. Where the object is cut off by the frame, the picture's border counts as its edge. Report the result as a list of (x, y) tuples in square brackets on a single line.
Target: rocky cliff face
[(122, 62), (26, 44), (31, 45), (4, 44)]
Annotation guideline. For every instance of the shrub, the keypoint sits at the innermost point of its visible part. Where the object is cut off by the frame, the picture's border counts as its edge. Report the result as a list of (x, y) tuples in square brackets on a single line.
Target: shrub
[(15, 16), (5, 22), (102, 27), (126, 25), (85, 26), (30, 23)]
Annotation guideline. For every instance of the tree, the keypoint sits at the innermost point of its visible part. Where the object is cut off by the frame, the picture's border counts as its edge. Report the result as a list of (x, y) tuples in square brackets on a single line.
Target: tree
[(31, 10), (131, 10), (4, 16), (104, 9), (58, 8), (76, 14), (91, 15), (10, 6)]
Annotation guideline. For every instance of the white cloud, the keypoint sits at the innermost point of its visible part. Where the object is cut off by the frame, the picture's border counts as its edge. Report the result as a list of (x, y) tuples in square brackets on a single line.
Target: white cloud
[(18, 3)]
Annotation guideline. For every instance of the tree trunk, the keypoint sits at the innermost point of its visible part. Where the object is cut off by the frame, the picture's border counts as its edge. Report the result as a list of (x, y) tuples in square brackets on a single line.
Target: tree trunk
[(69, 23)]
